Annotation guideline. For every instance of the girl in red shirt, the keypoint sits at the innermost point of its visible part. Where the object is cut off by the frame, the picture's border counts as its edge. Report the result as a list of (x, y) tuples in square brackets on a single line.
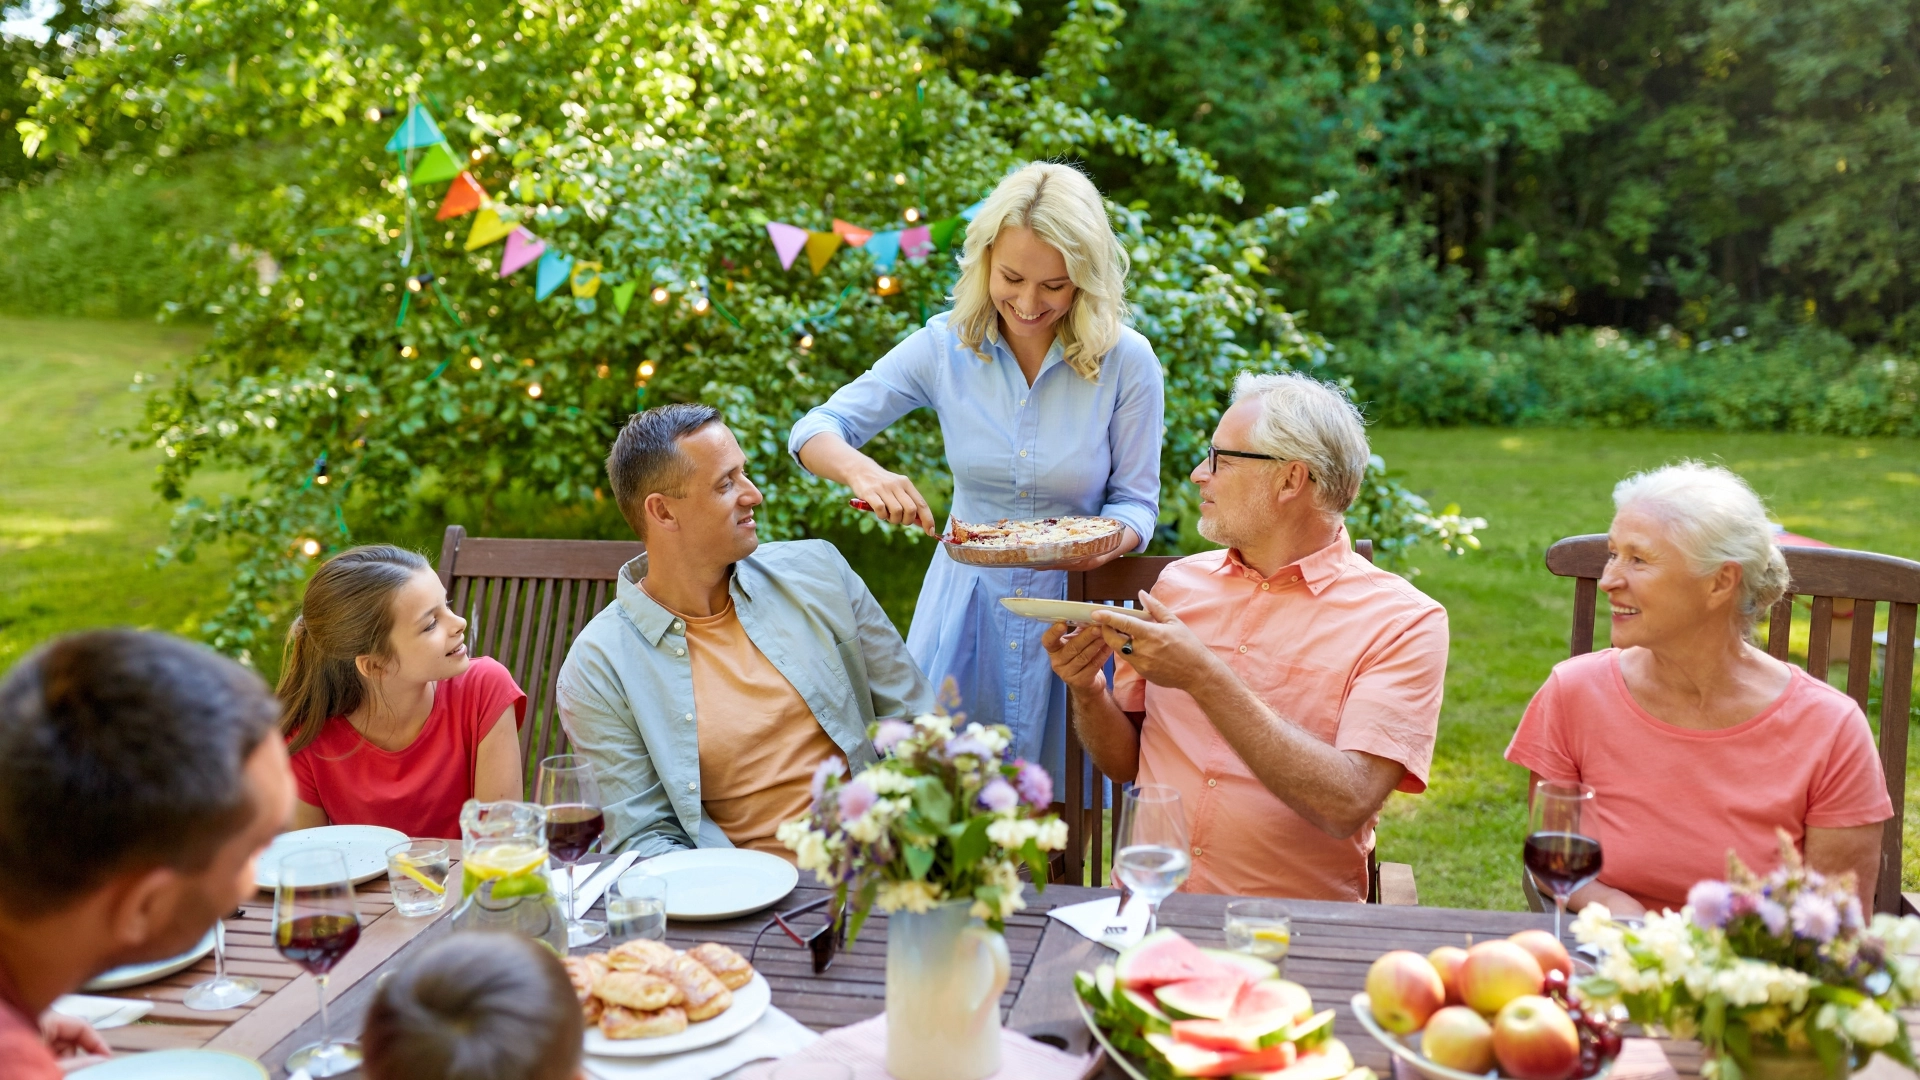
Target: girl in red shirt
[(388, 719)]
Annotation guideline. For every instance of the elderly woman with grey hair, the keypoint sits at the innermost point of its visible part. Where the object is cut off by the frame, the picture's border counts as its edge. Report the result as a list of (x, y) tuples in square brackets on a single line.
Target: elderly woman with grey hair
[(1695, 742)]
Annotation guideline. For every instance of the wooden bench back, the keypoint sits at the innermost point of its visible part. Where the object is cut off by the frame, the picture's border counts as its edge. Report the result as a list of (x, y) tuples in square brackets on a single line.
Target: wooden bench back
[(524, 602), (1825, 575)]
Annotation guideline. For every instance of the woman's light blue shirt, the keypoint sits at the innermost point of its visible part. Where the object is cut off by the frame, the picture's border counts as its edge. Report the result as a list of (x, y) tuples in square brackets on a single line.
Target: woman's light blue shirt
[(1065, 445)]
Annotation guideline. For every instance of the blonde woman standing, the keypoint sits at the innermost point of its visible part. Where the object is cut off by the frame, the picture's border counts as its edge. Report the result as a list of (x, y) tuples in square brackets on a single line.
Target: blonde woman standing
[(1049, 405)]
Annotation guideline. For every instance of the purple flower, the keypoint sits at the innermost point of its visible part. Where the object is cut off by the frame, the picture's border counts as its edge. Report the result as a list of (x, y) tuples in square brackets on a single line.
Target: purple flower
[(1744, 903), (999, 796), (1815, 916), (1773, 915), (855, 800), (890, 734), (828, 767), (967, 744), (1035, 785), (1712, 903), (1850, 912)]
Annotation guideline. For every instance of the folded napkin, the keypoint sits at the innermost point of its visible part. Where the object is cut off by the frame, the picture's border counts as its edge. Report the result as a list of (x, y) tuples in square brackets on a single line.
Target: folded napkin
[(774, 1035), (862, 1047), (587, 891), (102, 1012), (1102, 921)]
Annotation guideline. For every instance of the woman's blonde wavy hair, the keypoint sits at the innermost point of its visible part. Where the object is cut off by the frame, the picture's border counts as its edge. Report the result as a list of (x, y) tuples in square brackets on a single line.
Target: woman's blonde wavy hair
[(1063, 208)]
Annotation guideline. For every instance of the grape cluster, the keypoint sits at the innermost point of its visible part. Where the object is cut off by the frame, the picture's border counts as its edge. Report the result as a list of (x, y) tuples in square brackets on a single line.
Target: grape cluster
[(1599, 1042)]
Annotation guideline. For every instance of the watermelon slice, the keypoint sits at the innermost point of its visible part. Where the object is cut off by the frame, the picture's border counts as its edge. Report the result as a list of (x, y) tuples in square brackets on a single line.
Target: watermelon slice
[(1200, 999), (1235, 1035), (1289, 1002), (1330, 1062), (1254, 968), (1185, 1059), (1160, 958), (1141, 1010)]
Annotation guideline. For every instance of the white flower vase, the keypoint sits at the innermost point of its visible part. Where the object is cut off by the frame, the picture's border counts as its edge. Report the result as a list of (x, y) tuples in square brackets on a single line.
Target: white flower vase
[(945, 973)]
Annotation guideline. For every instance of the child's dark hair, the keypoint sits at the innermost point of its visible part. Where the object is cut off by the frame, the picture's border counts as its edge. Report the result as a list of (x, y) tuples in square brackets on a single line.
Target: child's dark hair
[(347, 613), (475, 1006)]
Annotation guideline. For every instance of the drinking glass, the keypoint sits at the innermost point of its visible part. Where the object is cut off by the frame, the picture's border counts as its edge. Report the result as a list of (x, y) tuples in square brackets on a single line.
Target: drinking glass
[(223, 991), (1559, 854), (1259, 928), (1152, 858), (637, 907), (567, 789), (417, 871), (315, 922)]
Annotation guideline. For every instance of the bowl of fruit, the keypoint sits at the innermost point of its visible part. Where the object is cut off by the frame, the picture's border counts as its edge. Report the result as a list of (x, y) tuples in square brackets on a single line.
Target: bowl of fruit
[(1501, 1008)]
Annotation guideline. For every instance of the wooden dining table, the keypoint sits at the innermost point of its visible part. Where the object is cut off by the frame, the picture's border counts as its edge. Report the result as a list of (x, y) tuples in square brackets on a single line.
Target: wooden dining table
[(1332, 946)]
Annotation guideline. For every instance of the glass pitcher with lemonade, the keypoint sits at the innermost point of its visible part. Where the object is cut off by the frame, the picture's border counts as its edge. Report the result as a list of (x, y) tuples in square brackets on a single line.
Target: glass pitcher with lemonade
[(503, 873)]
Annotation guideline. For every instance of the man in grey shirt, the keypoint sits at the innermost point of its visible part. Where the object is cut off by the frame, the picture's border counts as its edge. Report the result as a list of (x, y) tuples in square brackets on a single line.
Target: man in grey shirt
[(726, 669)]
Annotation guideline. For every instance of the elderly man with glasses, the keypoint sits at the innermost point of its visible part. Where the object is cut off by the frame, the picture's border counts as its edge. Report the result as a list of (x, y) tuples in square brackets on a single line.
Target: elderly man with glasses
[(1284, 685)]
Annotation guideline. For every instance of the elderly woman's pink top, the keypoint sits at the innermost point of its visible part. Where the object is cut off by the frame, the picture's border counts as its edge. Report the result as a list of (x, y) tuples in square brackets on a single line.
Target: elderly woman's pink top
[(1669, 802)]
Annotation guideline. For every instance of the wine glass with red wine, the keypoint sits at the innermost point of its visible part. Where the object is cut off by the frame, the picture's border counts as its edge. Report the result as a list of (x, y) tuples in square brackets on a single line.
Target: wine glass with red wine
[(567, 789), (315, 922), (1560, 854)]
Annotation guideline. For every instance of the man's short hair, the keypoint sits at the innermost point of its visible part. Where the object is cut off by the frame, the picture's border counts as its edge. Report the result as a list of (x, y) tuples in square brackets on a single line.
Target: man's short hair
[(121, 749), (646, 457), (475, 1006), (1304, 419)]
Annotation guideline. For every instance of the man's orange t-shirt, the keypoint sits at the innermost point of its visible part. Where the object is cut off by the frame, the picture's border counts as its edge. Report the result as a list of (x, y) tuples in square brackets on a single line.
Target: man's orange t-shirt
[(1346, 651), (1669, 802)]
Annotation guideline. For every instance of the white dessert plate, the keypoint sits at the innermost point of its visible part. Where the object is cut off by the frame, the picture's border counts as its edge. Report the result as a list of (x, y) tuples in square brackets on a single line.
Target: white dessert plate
[(1066, 611), (176, 1065), (749, 1002), (365, 847), (706, 884), (135, 974)]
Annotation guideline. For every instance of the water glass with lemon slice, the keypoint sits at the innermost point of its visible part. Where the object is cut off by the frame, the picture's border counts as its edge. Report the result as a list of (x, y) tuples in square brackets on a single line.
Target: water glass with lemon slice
[(1261, 928), (417, 870)]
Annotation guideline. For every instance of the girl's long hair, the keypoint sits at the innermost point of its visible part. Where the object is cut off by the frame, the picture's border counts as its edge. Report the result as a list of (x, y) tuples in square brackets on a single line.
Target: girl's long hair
[(347, 613)]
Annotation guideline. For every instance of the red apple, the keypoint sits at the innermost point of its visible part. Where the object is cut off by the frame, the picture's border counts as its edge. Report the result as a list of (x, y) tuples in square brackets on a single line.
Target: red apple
[(1458, 1038), (1405, 991), (1547, 949), (1534, 1039), (1447, 960), (1496, 972)]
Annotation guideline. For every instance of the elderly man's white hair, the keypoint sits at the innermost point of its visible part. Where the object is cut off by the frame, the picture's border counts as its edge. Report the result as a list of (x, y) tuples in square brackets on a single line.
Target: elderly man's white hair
[(1714, 518), (1303, 419)]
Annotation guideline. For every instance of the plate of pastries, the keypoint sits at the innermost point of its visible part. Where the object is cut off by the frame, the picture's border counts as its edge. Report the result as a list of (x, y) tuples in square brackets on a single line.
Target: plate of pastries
[(644, 998)]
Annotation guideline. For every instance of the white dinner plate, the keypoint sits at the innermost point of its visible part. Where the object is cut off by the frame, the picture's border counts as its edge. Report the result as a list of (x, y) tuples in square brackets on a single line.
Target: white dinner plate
[(1066, 611), (365, 847), (176, 1065), (706, 884), (749, 1002), (134, 974)]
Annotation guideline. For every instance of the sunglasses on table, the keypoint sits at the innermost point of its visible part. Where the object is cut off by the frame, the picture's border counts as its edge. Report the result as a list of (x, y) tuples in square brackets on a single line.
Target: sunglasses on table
[(1214, 454), (823, 940)]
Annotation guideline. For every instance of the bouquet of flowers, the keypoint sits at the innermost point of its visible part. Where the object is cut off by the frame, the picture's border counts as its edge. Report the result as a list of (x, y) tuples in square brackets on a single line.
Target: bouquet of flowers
[(1780, 966), (939, 817)]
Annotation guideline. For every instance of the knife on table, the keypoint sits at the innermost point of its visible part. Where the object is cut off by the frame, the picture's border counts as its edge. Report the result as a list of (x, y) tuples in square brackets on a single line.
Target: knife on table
[(588, 893)]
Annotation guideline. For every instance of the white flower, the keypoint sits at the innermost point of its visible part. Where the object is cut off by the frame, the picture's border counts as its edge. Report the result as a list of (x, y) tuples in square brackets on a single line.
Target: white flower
[(809, 846), (936, 725), (1011, 832), (1900, 933), (866, 828), (914, 896), (1868, 1024), (1053, 836), (887, 782)]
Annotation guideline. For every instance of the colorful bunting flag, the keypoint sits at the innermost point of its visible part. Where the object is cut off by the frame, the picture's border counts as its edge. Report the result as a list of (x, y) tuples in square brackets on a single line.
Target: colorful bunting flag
[(787, 241), (820, 248), (585, 280), (623, 295), (416, 131), (554, 269), (917, 242), (464, 197), (853, 234), (488, 227), (885, 248), (973, 211), (522, 248), (437, 164), (942, 232)]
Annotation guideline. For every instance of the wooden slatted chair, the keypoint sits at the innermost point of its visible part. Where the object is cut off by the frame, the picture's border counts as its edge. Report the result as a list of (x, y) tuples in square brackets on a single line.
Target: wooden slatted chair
[(1826, 575), (1121, 581), (524, 602)]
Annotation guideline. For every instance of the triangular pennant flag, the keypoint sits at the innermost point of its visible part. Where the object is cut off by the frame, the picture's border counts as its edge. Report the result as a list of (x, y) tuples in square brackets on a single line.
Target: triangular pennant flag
[(917, 242), (787, 241), (942, 232), (416, 131), (820, 248), (623, 295), (437, 164), (488, 227), (885, 248), (585, 280), (973, 211), (853, 234), (522, 248), (553, 270), (464, 197)]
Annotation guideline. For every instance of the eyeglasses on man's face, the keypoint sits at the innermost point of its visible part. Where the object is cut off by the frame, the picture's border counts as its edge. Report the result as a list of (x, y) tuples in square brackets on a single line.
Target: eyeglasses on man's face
[(1214, 454)]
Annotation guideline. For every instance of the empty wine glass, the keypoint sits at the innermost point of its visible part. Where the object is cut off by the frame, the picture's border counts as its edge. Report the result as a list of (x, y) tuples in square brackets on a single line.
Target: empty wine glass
[(1153, 857), (223, 991), (1560, 854), (315, 923), (567, 789)]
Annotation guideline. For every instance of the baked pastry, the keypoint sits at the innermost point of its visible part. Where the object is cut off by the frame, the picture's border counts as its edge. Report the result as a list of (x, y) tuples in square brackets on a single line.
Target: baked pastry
[(706, 996), (640, 990), (619, 1022), (583, 972), (1006, 533), (728, 966), (641, 955)]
